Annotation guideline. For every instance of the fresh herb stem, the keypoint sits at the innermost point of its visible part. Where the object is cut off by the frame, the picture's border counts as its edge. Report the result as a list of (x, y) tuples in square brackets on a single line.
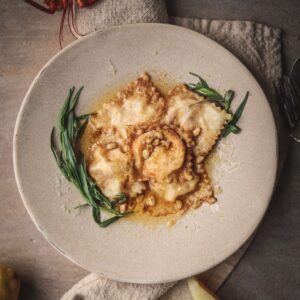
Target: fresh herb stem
[(80, 206), (73, 166), (231, 126), (202, 88)]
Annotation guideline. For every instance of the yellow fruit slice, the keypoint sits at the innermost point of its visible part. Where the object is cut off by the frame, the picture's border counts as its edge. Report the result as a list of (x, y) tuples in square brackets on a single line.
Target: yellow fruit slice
[(9, 284), (199, 291)]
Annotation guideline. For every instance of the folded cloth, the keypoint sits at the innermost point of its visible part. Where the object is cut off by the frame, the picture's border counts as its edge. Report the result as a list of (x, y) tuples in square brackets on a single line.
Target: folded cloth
[(106, 13), (258, 46)]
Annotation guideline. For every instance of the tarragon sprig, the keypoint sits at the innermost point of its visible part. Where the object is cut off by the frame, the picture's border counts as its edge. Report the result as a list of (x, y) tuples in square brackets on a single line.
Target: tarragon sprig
[(203, 89), (231, 126), (73, 165)]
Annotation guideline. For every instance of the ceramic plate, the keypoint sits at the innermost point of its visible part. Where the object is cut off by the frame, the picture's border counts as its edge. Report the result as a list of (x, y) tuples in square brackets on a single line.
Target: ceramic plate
[(129, 251)]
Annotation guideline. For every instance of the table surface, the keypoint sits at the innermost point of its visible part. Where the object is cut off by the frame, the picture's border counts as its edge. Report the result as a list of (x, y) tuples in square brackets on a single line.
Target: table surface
[(270, 268)]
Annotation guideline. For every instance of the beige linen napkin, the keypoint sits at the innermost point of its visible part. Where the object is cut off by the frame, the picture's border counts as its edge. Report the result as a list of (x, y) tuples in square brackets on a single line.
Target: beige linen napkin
[(258, 47)]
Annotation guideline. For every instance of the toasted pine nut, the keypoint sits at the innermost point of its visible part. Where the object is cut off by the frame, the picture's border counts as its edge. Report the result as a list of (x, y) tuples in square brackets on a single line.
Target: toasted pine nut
[(178, 204), (189, 164), (196, 131), (149, 140), (145, 154), (151, 201), (200, 169), (145, 77), (181, 179), (199, 159), (123, 207), (188, 177), (187, 138), (158, 135), (171, 223), (111, 146), (156, 142), (140, 131), (125, 148), (149, 147), (166, 144), (168, 180)]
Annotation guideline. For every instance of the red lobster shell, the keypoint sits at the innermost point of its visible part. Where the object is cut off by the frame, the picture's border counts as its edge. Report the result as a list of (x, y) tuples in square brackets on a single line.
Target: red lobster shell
[(68, 7)]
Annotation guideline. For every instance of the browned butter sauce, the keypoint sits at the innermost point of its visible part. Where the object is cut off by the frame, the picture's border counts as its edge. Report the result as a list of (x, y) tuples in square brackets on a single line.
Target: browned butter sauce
[(163, 82)]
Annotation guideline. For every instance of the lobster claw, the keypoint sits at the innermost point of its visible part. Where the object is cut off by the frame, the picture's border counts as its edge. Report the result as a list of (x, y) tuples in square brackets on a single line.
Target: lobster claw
[(85, 3), (53, 5), (68, 6)]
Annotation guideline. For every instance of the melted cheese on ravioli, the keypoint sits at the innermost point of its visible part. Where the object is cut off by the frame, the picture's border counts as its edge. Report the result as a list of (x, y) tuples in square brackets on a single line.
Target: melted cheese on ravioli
[(162, 160), (112, 170), (130, 111), (171, 191), (140, 102), (152, 148), (191, 111), (203, 193)]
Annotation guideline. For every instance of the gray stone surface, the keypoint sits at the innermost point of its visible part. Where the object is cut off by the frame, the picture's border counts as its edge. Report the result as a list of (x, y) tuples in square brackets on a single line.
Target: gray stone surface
[(281, 13), (270, 268), (28, 38)]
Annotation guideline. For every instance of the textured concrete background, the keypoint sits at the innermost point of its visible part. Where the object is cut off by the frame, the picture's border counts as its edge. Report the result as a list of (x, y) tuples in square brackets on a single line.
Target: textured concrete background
[(284, 14), (28, 38), (270, 268)]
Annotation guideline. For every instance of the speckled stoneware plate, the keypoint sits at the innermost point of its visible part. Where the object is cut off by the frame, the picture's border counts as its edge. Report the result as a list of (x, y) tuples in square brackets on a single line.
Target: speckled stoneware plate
[(128, 251)]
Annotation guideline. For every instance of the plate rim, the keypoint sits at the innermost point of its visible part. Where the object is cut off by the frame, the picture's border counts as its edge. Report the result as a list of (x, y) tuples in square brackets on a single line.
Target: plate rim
[(25, 100)]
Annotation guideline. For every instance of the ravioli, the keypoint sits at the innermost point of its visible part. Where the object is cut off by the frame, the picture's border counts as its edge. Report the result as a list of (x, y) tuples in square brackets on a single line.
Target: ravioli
[(140, 102), (191, 112), (158, 153), (111, 168), (152, 148)]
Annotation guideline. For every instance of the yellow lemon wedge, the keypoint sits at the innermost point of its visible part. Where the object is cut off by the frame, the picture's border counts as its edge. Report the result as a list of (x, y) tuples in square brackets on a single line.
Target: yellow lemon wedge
[(199, 291), (9, 284)]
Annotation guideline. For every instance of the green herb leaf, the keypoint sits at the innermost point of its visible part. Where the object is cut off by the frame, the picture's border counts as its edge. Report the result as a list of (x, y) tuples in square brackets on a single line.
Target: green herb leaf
[(58, 157), (85, 117), (70, 126), (228, 97), (235, 129), (73, 102), (63, 112), (211, 93), (225, 132), (120, 198), (97, 218), (202, 88), (73, 166), (96, 214), (109, 221), (79, 130), (85, 186), (240, 109), (81, 205), (202, 81), (231, 126)]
